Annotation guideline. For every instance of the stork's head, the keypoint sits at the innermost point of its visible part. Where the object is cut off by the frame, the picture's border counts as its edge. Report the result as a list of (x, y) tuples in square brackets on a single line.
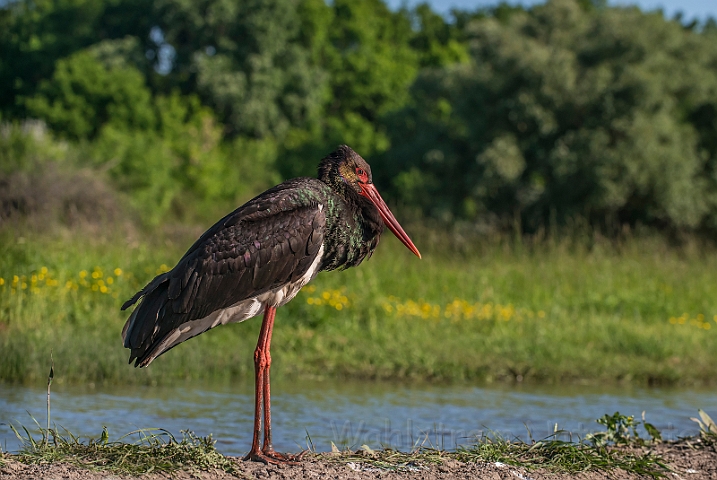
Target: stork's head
[(345, 171)]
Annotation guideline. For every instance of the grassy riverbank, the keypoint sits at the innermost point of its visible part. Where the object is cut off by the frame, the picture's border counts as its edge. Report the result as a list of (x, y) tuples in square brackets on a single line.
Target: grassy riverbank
[(195, 457), (638, 311)]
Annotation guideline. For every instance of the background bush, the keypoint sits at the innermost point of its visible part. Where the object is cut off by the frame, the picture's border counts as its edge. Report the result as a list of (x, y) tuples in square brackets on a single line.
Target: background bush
[(528, 119), (570, 121)]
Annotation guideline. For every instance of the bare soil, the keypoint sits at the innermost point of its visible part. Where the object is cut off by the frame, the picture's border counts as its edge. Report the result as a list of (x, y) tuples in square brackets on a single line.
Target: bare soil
[(685, 460)]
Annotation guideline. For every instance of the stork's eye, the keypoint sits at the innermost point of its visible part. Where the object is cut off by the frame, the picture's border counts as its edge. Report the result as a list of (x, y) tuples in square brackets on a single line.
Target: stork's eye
[(360, 172)]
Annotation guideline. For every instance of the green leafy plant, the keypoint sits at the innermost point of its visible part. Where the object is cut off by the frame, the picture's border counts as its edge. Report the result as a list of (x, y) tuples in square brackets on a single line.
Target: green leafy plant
[(153, 450), (558, 455), (622, 430), (550, 453), (708, 428)]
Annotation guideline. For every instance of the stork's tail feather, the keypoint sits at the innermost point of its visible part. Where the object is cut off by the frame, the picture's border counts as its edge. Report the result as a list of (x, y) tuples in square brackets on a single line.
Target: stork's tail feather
[(142, 325), (133, 300), (159, 279)]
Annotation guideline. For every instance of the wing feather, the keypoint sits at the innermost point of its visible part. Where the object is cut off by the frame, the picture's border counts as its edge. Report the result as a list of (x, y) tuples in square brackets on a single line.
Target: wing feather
[(257, 249)]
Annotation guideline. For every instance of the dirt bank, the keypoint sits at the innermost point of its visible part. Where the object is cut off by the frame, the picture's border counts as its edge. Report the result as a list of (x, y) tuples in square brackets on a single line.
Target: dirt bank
[(685, 461)]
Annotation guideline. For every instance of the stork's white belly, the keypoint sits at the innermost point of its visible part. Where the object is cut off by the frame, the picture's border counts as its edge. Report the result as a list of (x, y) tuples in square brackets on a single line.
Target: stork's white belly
[(240, 311)]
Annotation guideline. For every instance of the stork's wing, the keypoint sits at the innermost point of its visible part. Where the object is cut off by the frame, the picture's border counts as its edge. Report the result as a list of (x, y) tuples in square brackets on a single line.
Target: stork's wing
[(270, 242)]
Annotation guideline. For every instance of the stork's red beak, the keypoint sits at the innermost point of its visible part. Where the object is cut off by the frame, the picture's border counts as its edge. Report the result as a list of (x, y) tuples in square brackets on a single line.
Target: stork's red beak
[(370, 192)]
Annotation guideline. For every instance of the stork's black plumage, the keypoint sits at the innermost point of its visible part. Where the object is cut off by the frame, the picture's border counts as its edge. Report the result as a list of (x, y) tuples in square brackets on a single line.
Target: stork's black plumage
[(258, 258)]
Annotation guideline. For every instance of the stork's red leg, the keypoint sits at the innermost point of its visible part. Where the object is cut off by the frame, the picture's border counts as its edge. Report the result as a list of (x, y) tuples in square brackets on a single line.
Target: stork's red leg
[(259, 367), (267, 447), (262, 397)]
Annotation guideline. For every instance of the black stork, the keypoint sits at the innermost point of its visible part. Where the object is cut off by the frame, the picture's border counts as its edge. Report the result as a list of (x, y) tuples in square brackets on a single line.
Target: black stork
[(258, 258)]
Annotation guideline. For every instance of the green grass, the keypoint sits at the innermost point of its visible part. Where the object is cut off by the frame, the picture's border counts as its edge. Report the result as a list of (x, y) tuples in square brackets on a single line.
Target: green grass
[(619, 446), (561, 456), (193, 453), (151, 451), (548, 454), (635, 311), (158, 451)]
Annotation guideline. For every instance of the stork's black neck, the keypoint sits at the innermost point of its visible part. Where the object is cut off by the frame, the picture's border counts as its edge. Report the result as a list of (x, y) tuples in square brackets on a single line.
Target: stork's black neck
[(354, 227), (354, 224)]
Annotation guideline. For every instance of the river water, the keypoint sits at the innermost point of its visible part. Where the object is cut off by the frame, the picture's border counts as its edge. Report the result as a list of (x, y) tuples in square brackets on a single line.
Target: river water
[(351, 413)]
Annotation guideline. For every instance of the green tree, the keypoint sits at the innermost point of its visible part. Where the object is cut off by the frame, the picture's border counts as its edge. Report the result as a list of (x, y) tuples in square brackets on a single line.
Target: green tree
[(245, 61), (365, 49), (564, 111), (184, 166), (35, 34), (85, 93), (438, 42)]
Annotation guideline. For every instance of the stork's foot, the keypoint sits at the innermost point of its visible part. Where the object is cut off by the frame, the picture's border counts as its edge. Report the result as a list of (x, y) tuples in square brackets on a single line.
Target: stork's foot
[(275, 458)]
